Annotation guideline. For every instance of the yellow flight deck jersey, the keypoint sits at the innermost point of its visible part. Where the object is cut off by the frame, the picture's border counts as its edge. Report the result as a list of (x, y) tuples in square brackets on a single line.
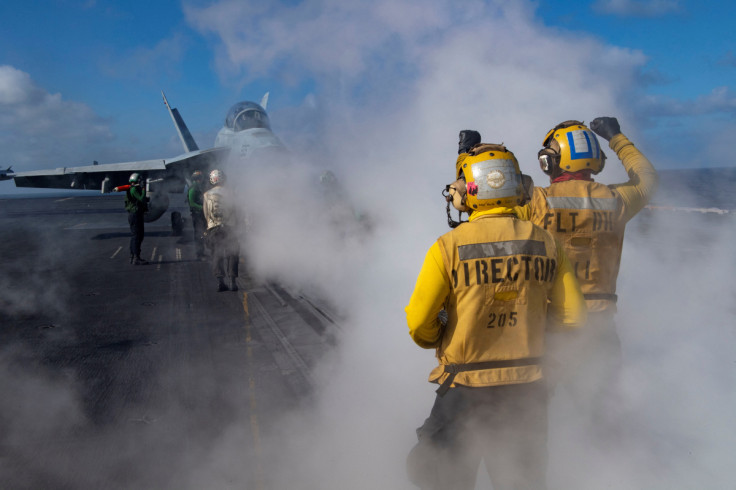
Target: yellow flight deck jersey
[(496, 276), (588, 219)]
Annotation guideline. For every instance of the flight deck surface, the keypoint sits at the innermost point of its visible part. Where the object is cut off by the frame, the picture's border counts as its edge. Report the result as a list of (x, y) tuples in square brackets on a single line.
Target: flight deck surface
[(123, 376)]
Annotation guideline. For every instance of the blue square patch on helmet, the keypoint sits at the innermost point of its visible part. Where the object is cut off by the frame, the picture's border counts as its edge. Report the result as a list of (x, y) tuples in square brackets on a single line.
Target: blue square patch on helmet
[(583, 144)]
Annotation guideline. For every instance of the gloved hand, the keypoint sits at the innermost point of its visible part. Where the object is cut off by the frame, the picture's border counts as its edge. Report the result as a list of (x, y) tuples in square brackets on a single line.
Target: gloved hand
[(468, 139), (114, 189), (605, 127), (442, 317)]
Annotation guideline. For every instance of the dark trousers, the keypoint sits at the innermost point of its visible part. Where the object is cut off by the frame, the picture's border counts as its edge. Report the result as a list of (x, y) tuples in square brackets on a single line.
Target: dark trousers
[(225, 250), (199, 224), (135, 220), (504, 426)]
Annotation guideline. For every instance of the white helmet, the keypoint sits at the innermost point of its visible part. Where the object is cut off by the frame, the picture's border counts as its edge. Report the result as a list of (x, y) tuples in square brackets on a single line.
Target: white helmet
[(217, 177), (135, 177)]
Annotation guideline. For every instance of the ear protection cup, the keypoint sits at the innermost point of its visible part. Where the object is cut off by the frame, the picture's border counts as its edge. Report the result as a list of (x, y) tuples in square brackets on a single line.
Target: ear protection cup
[(456, 195), (548, 160)]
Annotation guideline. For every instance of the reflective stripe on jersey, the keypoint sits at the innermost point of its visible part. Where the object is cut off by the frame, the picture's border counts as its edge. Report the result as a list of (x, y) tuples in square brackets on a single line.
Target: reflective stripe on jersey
[(597, 203), (501, 249)]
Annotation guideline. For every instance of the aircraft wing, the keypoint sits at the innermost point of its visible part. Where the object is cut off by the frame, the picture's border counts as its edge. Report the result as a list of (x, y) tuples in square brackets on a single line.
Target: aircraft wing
[(93, 176)]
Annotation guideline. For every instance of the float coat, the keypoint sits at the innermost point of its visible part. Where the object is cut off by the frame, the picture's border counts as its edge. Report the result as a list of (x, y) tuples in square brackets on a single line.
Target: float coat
[(588, 218), (494, 276), (218, 207)]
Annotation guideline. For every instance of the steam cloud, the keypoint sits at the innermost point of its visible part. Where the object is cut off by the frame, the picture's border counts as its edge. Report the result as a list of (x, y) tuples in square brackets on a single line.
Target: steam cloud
[(390, 102), (389, 109)]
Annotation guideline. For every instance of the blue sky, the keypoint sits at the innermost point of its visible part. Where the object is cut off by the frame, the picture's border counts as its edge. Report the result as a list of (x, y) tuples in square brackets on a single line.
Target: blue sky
[(81, 80)]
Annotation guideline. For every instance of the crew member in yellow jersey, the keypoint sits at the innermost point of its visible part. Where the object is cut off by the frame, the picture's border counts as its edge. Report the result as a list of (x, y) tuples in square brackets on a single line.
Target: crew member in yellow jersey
[(588, 218), (486, 294)]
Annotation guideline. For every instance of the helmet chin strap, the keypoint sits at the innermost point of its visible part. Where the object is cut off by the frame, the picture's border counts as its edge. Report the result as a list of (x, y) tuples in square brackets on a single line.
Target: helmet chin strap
[(451, 222)]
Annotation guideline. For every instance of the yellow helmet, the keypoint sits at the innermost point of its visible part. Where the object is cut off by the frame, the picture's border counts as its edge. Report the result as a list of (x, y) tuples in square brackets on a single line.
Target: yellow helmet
[(571, 146), (492, 178)]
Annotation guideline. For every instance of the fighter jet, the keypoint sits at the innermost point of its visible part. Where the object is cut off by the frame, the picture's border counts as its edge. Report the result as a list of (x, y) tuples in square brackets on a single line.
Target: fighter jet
[(245, 137)]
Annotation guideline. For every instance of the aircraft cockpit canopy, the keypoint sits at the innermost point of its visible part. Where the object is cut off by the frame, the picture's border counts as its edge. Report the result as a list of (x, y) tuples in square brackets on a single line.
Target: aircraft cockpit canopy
[(247, 115)]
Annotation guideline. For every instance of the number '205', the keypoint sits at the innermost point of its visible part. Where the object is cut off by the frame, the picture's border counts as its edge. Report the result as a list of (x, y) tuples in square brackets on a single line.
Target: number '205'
[(502, 320)]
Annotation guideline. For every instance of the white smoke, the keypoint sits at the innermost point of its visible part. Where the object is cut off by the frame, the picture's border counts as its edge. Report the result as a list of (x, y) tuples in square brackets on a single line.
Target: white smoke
[(396, 83)]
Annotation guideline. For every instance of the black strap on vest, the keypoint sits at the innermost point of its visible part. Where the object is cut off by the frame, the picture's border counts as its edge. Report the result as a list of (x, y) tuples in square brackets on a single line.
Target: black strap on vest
[(609, 297), (454, 369)]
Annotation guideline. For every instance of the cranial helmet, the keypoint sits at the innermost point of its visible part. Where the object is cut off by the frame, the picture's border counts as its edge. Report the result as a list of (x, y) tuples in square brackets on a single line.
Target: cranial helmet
[(135, 177), (197, 176), (217, 177), (570, 147), (492, 178)]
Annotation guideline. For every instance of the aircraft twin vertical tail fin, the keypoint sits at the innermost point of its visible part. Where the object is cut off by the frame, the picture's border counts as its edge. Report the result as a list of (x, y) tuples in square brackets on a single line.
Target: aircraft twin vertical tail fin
[(264, 100), (186, 137)]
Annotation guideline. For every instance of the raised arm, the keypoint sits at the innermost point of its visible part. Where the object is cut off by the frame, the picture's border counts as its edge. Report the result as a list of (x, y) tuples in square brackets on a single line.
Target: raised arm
[(642, 183)]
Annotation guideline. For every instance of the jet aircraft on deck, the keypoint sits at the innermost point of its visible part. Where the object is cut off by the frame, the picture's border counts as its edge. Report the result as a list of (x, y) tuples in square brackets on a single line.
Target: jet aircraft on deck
[(245, 136)]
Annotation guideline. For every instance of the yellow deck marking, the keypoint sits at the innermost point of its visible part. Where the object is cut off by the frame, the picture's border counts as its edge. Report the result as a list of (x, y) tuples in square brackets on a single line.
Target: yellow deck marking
[(247, 313)]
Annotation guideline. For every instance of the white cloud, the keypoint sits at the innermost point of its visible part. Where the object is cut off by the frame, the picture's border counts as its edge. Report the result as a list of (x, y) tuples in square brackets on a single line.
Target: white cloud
[(676, 126), (721, 100), (489, 64), (38, 128), (637, 8), (326, 36)]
